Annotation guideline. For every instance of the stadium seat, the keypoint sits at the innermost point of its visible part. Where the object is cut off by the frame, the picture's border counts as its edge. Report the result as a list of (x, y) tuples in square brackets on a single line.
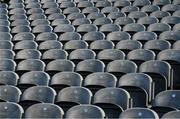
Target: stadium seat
[(172, 114)]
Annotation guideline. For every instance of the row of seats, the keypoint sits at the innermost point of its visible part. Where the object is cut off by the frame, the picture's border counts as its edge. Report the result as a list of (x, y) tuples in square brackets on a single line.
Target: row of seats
[(46, 110), (112, 100)]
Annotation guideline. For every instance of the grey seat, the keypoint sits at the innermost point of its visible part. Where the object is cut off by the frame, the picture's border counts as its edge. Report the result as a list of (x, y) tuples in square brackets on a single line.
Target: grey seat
[(133, 28), (159, 28), (5, 36), (160, 14), (35, 10), (25, 44), (139, 3), (68, 36), (84, 28), (171, 114), (21, 28), (45, 110), (4, 22), (121, 3), (171, 36), (115, 15), (150, 8), (7, 65), (6, 53), (137, 14), (18, 22), (52, 10), (146, 21), (54, 16), (6, 44), (128, 9), (39, 22), (8, 78), (108, 28)]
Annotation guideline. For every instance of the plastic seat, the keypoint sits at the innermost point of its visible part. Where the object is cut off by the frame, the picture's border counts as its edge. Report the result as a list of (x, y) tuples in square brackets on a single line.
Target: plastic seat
[(118, 36), (99, 80), (102, 4), (176, 2), (33, 5), (5, 36), (115, 15), (47, 1), (102, 21), (52, 10), (59, 65), (54, 16), (146, 21), (141, 55), (49, 44), (108, 100), (127, 45), (78, 112), (171, 114), (75, 44), (171, 20), (44, 110), (30, 65), (25, 44), (70, 10), (66, 4), (15, 1), (56, 22), (84, 4), (137, 15), (170, 8), (17, 16), (9, 94), (3, 11), (157, 45), (10, 110), (99, 45), (35, 11), (19, 22), (21, 28), (176, 45), (17, 11), (62, 28), (4, 16), (150, 8), (121, 67), (144, 36), (133, 28), (46, 36), (39, 22), (47, 5), (23, 36), (41, 28), (33, 78), (122, 3), (171, 36), (107, 10), (7, 65), (88, 66), (84, 28), (68, 36), (159, 28), (53, 54), (3, 5), (161, 3), (176, 27), (93, 36), (4, 29), (80, 21), (36, 16), (108, 28), (170, 102), (8, 78), (27, 54), (108, 55), (176, 13), (139, 113), (72, 96), (6, 53), (4, 22), (172, 57), (16, 5), (6, 44), (139, 86), (161, 78), (160, 14), (141, 3), (65, 79), (89, 10), (95, 15), (37, 94), (129, 9)]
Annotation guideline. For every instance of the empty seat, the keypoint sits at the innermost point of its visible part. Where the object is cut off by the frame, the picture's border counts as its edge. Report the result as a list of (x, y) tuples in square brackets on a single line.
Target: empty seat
[(6, 44), (59, 65), (137, 15), (54, 16), (47, 5), (139, 113), (144, 36), (108, 28), (115, 15), (84, 4), (121, 3), (171, 36), (176, 45), (39, 22), (65, 79), (157, 45), (141, 3), (74, 95), (133, 28), (95, 15), (10, 110), (176, 27), (169, 103), (17, 16), (99, 45), (37, 94), (159, 28), (4, 17), (127, 45), (73, 16), (170, 8), (17, 11), (33, 5), (49, 44), (21, 28), (4, 28), (16, 5), (6, 53), (150, 8), (41, 28), (161, 78), (23, 36), (93, 36), (102, 4), (52, 10), (176, 13), (146, 21), (99, 80), (84, 28), (89, 10), (113, 101), (81, 54), (8, 78), (9, 94), (56, 22), (66, 4), (62, 28), (85, 111), (30, 65), (36, 16), (4, 22), (172, 57), (5, 36), (18, 22), (129, 9), (35, 10), (171, 20), (75, 44), (68, 36), (80, 21), (102, 21), (171, 114), (44, 110), (88, 66), (161, 3), (121, 67), (160, 14), (7, 65), (45, 36), (139, 86), (70, 10), (25, 44), (107, 10), (33, 78)]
